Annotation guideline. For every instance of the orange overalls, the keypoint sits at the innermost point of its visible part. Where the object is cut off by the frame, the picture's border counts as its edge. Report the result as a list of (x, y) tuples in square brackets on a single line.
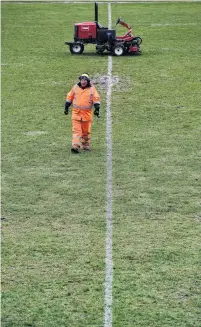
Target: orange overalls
[(82, 114)]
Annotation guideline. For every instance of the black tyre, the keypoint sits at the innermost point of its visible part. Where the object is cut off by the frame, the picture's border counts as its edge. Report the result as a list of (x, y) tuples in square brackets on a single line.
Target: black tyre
[(137, 40), (100, 49), (118, 50), (76, 48)]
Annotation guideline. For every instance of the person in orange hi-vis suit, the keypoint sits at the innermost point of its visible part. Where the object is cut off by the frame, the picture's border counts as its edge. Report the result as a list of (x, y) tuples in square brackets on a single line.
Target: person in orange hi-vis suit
[(82, 96)]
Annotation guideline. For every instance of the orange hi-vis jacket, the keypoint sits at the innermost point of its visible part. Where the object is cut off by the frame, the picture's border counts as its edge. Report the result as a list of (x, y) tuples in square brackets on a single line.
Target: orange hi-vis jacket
[(83, 101)]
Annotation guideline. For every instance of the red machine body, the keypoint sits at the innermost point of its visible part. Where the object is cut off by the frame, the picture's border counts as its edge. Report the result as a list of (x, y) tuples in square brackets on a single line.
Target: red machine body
[(85, 30)]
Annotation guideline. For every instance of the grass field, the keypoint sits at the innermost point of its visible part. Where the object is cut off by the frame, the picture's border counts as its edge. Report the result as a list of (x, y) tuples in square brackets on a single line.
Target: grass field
[(54, 203)]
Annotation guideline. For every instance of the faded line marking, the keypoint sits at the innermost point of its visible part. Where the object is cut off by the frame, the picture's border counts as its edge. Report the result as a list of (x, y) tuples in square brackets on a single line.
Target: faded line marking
[(32, 133), (173, 25), (109, 263)]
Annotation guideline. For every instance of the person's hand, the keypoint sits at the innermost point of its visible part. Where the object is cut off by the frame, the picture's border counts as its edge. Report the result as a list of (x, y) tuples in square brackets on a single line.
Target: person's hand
[(96, 110), (67, 105)]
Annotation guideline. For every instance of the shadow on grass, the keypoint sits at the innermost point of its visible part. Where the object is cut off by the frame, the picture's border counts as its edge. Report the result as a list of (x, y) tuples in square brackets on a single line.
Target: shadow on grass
[(94, 54)]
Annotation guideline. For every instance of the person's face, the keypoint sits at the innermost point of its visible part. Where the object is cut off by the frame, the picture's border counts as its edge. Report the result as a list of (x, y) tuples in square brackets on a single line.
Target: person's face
[(83, 82)]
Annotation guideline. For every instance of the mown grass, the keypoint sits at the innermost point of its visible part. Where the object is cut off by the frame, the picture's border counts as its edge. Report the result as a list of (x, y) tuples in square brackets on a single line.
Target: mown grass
[(157, 187), (53, 238), (54, 232)]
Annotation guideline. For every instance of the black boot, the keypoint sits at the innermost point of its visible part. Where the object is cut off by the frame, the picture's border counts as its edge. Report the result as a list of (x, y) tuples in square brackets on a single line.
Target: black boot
[(75, 150)]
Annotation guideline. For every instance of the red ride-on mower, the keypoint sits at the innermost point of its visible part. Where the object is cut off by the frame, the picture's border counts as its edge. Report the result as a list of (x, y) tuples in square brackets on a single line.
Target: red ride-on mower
[(105, 39)]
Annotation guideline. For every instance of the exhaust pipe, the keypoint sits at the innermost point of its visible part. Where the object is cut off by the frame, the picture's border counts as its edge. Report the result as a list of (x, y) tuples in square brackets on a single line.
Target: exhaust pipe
[(96, 12)]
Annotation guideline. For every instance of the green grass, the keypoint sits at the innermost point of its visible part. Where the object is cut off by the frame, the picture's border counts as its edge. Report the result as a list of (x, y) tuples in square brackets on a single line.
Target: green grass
[(157, 187), (54, 204)]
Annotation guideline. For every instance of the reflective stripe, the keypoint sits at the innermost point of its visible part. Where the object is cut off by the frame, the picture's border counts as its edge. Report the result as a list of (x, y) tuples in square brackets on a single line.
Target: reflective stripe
[(91, 96), (82, 107), (74, 99)]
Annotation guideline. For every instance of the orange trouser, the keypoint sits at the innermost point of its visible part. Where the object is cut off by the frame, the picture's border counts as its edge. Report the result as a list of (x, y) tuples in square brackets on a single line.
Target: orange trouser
[(81, 133)]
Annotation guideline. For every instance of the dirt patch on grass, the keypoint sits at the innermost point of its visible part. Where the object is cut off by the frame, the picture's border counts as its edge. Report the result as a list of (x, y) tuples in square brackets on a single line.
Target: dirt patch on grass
[(118, 83)]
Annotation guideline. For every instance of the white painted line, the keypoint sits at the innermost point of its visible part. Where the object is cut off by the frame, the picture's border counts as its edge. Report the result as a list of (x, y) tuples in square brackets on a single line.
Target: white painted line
[(177, 24), (32, 133), (92, 1), (109, 263)]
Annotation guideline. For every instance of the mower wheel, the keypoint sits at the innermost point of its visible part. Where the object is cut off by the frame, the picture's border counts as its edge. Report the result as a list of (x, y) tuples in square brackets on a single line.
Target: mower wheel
[(137, 40), (118, 50), (76, 48), (100, 49)]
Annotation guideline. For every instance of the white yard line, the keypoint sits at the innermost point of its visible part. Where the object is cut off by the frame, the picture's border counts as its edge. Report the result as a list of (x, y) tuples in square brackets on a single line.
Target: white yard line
[(109, 264)]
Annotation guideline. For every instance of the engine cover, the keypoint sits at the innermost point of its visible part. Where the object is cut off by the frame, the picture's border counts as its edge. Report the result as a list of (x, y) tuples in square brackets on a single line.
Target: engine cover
[(85, 30)]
